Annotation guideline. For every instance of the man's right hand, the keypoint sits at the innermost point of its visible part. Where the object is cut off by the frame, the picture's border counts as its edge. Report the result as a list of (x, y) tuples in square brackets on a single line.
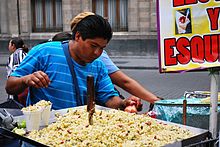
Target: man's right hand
[(37, 79), (133, 104)]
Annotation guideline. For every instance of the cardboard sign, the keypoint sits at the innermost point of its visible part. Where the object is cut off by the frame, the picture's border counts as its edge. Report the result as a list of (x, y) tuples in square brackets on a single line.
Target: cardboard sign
[(188, 34)]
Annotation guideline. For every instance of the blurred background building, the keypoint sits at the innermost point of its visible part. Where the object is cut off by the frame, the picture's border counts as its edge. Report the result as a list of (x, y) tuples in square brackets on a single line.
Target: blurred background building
[(133, 22)]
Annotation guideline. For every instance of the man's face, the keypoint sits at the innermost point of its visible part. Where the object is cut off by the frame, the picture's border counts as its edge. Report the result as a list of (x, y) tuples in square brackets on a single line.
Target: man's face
[(89, 49)]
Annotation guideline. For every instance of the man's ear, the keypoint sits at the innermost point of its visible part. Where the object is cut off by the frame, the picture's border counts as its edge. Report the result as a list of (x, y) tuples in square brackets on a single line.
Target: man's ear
[(13, 46), (77, 36)]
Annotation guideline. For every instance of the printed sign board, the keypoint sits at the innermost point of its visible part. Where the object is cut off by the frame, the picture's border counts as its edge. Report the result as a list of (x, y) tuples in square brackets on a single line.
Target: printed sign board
[(188, 34)]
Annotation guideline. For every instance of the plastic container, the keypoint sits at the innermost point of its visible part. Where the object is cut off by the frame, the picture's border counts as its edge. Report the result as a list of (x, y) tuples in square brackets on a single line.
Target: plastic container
[(33, 119), (45, 116)]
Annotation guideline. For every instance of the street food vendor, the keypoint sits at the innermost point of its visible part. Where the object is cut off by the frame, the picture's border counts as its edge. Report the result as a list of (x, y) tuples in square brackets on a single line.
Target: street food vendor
[(45, 69), (117, 76)]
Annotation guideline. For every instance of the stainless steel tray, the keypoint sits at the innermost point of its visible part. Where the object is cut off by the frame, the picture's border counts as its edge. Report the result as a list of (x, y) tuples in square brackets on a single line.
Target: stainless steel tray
[(200, 134)]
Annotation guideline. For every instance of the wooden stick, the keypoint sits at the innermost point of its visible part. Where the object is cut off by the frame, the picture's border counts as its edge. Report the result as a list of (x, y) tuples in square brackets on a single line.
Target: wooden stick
[(184, 111), (90, 98)]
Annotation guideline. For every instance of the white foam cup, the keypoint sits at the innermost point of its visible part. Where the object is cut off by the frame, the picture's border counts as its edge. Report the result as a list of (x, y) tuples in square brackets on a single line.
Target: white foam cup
[(45, 115), (33, 119)]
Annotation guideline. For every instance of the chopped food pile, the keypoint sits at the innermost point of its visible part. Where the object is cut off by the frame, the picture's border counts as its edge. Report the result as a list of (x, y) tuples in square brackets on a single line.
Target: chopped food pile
[(31, 108), (43, 103), (36, 107), (110, 128)]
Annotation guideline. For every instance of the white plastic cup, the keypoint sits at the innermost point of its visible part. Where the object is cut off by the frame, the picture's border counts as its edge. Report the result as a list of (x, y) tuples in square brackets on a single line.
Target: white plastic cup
[(45, 115), (33, 119)]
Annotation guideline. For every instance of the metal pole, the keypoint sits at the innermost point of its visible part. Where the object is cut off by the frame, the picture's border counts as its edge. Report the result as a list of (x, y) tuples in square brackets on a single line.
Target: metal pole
[(214, 103), (219, 138)]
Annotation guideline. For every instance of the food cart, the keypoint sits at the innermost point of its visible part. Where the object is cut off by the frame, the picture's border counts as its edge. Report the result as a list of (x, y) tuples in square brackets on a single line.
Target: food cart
[(199, 134)]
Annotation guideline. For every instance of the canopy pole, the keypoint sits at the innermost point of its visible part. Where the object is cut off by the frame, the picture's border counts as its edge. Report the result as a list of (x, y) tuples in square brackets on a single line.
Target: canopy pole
[(214, 103)]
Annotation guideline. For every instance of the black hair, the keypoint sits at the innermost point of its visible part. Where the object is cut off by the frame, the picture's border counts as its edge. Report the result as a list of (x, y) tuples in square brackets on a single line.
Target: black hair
[(62, 36), (19, 43), (93, 26), (44, 41)]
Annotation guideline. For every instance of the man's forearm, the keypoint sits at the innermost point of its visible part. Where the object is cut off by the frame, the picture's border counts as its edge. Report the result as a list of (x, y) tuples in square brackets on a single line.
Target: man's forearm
[(116, 103), (15, 85), (139, 91), (133, 87)]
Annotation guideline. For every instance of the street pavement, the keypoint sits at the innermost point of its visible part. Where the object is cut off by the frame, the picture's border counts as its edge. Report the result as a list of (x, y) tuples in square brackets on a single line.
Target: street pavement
[(136, 62)]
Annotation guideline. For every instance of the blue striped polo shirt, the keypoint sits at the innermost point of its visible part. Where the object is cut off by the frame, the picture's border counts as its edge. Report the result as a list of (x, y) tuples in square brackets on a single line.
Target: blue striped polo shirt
[(49, 58), (111, 67)]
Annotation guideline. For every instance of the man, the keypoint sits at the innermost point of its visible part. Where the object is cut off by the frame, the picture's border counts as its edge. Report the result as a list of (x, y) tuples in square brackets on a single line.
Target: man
[(118, 77), (46, 72)]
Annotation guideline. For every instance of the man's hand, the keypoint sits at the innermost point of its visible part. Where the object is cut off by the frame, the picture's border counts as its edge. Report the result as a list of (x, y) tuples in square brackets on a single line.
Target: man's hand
[(131, 109), (133, 104), (37, 79)]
